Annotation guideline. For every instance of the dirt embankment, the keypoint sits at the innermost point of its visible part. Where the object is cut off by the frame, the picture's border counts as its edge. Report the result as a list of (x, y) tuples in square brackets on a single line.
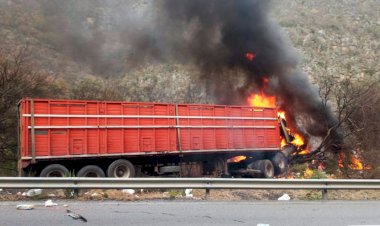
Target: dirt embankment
[(196, 194)]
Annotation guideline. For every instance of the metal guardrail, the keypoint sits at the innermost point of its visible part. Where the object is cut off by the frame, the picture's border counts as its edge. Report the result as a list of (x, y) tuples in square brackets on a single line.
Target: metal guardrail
[(181, 183)]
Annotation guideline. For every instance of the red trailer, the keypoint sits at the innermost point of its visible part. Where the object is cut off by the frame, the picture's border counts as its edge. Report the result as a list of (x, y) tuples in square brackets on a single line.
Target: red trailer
[(125, 139)]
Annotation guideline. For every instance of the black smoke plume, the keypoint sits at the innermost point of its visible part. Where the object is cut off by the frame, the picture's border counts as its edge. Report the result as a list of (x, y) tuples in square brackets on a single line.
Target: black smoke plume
[(214, 36)]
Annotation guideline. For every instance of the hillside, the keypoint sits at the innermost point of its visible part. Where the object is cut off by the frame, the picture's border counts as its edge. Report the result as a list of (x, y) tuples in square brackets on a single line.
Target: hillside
[(75, 39)]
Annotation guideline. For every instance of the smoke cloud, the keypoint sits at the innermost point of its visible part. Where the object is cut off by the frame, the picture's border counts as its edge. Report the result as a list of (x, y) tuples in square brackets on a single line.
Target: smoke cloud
[(214, 36)]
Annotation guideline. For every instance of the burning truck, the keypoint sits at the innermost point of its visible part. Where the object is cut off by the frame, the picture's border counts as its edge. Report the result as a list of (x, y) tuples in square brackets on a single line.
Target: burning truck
[(132, 139), (237, 49)]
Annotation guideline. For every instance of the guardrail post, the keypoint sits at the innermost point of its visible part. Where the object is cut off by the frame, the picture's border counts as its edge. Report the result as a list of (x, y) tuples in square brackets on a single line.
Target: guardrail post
[(324, 194), (75, 193), (207, 193)]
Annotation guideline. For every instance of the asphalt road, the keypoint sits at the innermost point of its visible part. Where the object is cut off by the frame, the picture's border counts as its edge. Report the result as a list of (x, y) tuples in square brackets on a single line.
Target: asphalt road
[(160, 213)]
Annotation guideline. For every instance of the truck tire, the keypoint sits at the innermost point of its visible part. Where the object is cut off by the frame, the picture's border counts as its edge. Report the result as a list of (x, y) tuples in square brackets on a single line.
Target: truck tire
[(54, 170), (267, 168), (280, 163), (91, 171), (121, 168)]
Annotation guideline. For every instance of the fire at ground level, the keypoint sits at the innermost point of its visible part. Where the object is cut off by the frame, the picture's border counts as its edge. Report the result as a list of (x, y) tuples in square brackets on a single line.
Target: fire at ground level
[(292, 141)]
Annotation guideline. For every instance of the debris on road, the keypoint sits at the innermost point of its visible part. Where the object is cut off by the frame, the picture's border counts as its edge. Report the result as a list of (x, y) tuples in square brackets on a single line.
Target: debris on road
[(94, 194), (32, 192), (129, 191), (189, 193), (75, 216), (284, 197), (262, 225), (25, 207), (50, 203)]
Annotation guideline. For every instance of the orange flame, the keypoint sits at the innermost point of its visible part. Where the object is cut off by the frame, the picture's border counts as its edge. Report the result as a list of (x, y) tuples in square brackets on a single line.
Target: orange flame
[(262, 100), (298, 140), (237, 158), (281, 114), (356, 163)]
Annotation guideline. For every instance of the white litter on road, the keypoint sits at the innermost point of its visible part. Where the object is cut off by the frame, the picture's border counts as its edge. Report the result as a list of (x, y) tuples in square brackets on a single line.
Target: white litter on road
[(263, 225), (24, 207), (50, 203), (33, 192), (128, 191), (94, 194), (189, 193), (284, 197)]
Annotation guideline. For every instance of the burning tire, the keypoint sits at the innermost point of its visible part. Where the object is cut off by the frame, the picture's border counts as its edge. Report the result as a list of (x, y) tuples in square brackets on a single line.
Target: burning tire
[(54, 170), (91, 171), (121, 168), (280, 163)]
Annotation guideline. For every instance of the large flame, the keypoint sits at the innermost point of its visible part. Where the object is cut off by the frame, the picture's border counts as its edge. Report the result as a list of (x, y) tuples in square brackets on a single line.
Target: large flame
[(262, 100), (298, 140)]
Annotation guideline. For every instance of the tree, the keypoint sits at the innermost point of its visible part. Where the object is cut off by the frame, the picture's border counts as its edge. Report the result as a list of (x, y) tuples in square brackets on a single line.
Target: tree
[(96, 88), (356, 104), (18, 79)]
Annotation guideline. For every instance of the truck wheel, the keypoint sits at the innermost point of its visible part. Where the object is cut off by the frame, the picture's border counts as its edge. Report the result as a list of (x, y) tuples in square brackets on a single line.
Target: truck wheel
[(121, 168), (91, 171), (267, 168), (54, 170), (280, 163)]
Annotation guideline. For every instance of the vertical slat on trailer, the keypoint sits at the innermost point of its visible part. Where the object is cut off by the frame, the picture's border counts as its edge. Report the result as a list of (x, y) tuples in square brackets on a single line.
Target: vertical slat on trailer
[(32, 131), (86, 130), (19, 140), (98, 130), (67, 130), (139, 130), (178, 129), (49, 130), (122, 120), (106, 129)]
